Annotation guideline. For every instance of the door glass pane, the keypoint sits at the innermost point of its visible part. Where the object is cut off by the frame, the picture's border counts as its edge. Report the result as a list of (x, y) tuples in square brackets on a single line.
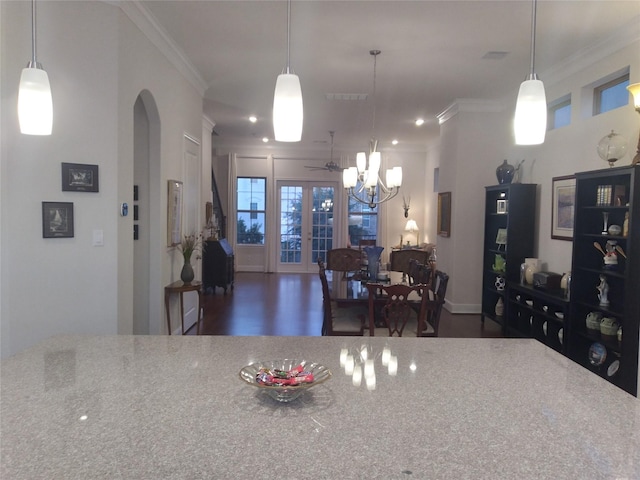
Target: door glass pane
[(290, 224), (321, 223)]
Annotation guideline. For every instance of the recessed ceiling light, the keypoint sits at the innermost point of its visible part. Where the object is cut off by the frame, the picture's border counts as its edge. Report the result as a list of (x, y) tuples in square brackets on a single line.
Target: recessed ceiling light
[(265, 139), (253, 119), (419, 122), (394, 142)]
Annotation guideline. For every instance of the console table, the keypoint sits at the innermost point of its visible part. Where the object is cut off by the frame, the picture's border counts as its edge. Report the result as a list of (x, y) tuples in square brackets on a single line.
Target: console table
[(180, 288)]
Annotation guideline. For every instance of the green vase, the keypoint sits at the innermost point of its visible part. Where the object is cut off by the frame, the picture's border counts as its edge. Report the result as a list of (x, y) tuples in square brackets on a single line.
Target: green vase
[(187, 275)]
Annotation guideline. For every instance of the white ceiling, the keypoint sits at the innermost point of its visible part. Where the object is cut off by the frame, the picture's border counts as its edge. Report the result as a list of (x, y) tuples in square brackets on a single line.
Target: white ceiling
[(432, 54)]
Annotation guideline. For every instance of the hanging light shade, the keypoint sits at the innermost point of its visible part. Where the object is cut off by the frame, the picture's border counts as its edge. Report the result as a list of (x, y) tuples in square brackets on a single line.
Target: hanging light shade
[(35, 106), (530, 122), (287, 109), (287, 100)]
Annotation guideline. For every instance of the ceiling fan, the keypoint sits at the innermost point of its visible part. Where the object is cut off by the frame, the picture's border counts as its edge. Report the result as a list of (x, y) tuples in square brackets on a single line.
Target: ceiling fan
[(331, 166)]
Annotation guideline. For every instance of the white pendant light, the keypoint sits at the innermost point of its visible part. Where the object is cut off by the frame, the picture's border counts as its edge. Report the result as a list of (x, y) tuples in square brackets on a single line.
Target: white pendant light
[(35, 106), (530, 122), (287, 100)]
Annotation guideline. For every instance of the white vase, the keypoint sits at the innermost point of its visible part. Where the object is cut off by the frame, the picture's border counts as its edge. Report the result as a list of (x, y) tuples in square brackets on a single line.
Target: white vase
[(534, 265)]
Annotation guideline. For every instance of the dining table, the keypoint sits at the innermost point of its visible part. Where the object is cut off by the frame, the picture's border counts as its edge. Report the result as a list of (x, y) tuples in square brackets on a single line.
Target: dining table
[(173, 407), (352, 290)]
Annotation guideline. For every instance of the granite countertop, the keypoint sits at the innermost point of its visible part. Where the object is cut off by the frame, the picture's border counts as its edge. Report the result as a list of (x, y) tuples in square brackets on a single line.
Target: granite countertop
[(161, 407)]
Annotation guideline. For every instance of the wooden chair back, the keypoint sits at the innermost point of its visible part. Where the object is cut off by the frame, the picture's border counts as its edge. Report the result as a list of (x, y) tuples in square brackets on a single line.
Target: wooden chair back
[(343, 260), (438, 289), (396, 309), (399, 259), (339, 319), (419, 273)]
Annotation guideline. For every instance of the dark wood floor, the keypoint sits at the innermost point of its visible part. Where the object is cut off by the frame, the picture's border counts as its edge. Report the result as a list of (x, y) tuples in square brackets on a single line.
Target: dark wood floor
[(290, 304)]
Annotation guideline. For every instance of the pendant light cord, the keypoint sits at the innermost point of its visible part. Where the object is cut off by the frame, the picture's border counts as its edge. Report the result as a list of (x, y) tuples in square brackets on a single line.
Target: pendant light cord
[(288, 32), (374, 146), (34, 62), (533, 39)]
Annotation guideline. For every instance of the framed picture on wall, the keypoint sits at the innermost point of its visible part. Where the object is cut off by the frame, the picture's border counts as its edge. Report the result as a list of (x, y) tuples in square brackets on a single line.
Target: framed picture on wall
[(57, 220), (174, 213), (77, 177), (444, 214), (563, 200)]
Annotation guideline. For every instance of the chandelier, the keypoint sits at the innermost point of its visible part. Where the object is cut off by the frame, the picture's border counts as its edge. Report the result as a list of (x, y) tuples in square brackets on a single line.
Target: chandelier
[(362, 182)]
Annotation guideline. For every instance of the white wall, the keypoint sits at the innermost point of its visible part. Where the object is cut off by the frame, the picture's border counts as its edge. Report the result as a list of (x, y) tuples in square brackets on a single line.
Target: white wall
[(98, 62), (472, 145)]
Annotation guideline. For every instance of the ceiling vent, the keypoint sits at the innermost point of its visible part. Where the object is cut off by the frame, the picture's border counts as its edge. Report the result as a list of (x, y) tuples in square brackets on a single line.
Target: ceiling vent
[(346, 96), (495, 55)]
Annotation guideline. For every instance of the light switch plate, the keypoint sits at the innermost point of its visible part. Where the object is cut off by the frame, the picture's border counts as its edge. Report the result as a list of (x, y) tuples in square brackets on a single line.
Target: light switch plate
[(98, 238)]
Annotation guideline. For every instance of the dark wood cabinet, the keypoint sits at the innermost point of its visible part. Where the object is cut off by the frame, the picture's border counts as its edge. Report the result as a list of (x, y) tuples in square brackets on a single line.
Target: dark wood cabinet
[(509, 227), (218, 265), (605, 198), (539, 314)]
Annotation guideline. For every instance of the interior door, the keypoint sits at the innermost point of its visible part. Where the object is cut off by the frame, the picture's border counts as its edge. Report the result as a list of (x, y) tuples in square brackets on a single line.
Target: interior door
[(306, 229)]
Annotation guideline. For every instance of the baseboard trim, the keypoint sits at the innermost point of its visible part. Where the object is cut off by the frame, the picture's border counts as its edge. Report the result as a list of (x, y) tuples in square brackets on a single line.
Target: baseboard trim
[(462, 308)]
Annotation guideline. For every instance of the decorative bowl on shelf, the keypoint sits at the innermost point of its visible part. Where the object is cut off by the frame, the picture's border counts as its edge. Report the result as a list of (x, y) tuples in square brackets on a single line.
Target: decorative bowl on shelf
[(284, 380), (609, 327), (593, 321), (597, 354), (615, 229)]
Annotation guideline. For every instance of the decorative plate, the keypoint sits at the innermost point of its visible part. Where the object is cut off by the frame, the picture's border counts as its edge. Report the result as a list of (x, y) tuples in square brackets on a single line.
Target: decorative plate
[(613, 368), (597, 354), (301, 373)]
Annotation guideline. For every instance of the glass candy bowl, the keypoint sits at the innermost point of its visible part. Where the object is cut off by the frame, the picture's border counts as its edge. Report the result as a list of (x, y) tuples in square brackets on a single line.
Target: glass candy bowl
[(285, 393)]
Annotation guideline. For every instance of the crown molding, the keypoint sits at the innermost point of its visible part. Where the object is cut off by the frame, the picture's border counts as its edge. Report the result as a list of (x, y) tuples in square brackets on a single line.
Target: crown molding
[(469, 105), (158, 36), (208, 123)]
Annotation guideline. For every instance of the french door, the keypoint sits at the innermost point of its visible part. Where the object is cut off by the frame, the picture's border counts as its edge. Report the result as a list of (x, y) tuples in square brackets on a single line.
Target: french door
[(305, 229)]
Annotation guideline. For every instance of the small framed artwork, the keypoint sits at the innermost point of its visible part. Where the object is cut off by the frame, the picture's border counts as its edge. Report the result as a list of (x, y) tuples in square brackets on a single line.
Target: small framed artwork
[(444, 214), (77, 177), (174, 213), (57, 220), (501, 206), (563, 200), (135, 193), (501, 237)]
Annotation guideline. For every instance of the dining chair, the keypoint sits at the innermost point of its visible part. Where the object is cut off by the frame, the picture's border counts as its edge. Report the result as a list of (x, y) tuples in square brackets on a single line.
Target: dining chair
[(343, 260), (399, 259), (340, 317), (401, 315), (419, 273), (437, 292)]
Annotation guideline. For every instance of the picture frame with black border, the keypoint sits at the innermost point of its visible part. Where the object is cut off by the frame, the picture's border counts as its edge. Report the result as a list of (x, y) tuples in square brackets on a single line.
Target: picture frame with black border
[(57, 220), (78, 177), (444, 214), (563, 200)]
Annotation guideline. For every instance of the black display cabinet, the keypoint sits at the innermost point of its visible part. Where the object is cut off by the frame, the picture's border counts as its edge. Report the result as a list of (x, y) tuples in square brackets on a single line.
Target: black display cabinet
[(605, 200), (509, 227)]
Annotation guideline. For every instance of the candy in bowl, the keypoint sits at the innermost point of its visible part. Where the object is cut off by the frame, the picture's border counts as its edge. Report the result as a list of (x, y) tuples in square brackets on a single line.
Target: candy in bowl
[(285, 380)]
